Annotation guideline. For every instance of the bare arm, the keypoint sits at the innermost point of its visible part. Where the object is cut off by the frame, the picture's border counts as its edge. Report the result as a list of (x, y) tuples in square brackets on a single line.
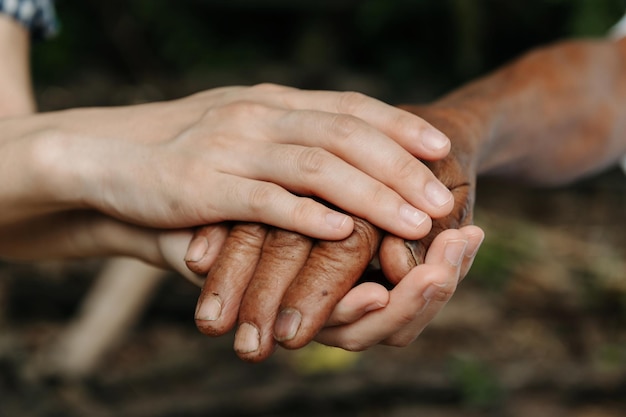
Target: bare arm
[(16, 96), (555, 115)]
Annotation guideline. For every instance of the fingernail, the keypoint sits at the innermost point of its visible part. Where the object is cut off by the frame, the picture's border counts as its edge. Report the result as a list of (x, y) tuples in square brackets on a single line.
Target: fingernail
[(434, 139), (287, 324), (336, 220), (374, 306), (454, 251), (210, 309), (475, 251), (437, 193), (412, 216), (197, 249), (430, 292), (247, 338)]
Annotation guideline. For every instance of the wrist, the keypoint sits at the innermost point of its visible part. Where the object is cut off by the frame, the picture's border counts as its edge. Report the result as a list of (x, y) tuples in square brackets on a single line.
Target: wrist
[(467, 131), (60, 168), (32, 171), (477, 115), (77, 166), (54, 167)]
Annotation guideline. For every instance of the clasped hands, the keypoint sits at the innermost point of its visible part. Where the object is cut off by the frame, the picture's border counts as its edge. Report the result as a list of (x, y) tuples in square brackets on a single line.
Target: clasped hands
[(141, 177), (282, 288)]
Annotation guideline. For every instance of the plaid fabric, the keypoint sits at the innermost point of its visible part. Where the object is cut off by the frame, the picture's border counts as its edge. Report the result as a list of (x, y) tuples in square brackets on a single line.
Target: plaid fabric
[(36, 15)]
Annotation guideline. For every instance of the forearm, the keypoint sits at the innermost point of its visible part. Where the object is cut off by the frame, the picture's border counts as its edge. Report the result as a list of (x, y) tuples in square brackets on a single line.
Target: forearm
[(76, 234), (32, 171), (16, 96), (57, 161), (556, 114), (81, 234)]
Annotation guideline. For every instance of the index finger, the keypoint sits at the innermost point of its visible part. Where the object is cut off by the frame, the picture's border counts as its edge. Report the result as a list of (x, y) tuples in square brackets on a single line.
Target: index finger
[(412, 132)]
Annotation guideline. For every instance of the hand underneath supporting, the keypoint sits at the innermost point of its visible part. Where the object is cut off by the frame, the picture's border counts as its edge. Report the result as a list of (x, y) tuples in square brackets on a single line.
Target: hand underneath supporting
[(282, 287), (356, 324)]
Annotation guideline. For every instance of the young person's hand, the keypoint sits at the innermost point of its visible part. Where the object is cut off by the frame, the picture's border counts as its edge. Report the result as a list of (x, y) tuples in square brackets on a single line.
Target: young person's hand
[(262, 153)]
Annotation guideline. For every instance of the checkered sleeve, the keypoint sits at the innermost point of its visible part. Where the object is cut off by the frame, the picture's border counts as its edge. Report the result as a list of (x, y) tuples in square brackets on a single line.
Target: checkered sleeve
[(37, 15)]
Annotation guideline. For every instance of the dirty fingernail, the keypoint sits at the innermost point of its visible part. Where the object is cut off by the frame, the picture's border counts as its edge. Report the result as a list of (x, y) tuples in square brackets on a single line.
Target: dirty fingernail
[(412, 216), (287, 324), (247, 338), (197, 249), (434, 139), (454, 251), (437, 193), (210, 308), (336, 220)]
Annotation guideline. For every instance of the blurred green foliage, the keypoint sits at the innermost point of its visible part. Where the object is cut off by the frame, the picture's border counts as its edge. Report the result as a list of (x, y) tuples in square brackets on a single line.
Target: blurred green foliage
[(408, 49), (492, 270), (477, 382)]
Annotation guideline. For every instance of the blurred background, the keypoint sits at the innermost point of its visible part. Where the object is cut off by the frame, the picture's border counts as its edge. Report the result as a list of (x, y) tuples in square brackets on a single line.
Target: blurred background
[(538, 327)]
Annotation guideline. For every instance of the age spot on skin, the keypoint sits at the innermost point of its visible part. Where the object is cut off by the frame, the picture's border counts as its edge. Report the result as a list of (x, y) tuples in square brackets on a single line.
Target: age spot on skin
[(324, 293)]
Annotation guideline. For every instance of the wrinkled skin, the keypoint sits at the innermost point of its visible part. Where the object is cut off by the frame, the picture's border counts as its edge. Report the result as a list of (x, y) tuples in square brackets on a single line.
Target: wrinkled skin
[(263, 271)]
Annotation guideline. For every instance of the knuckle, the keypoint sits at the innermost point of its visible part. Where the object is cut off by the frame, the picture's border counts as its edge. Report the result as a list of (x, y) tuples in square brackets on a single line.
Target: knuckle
[(239, 109), (352, 344), (363, 241), (312, 161), (444, 294), (378, 195), (345, 127), (242, 243), (405, 319), (261, 198), (408, 123), (280, 239), (351, 102), (248, 231), (406, 168), (301, 212), (367, 232), (353, 244)]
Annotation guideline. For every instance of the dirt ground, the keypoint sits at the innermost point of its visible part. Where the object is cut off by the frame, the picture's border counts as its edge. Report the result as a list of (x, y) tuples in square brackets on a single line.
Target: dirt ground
[(538, 328)]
